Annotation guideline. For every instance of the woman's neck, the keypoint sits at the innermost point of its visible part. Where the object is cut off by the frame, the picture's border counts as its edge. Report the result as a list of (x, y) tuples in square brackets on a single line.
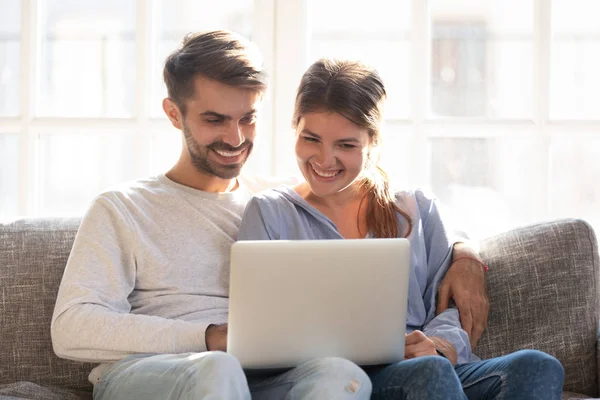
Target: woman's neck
[(336, 201), (346, 209)]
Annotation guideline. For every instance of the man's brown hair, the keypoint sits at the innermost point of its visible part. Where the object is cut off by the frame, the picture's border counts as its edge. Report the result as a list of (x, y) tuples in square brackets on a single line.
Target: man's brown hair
[(220, 55)]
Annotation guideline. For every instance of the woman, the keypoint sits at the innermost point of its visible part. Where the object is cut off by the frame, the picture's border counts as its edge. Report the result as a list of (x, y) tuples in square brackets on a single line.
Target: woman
[(337, 118)]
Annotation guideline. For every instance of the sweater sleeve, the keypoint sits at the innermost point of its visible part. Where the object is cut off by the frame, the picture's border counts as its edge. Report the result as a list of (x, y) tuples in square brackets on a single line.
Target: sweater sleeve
[(439, 244), (92, 320)]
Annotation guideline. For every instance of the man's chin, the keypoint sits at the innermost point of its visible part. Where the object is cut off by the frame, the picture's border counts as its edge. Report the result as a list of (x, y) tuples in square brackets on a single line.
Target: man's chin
[(226, 171)]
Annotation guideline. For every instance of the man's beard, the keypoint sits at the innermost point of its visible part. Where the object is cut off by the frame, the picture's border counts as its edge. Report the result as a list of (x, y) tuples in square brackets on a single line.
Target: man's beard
[(201, 161)]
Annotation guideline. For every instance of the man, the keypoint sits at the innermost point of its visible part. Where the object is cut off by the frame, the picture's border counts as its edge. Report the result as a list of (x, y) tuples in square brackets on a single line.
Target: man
[(145, 290)]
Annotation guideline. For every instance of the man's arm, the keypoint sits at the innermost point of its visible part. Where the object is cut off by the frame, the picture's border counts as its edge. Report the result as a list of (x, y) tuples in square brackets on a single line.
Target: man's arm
[(453, 271), (465, 284), (92, 320)]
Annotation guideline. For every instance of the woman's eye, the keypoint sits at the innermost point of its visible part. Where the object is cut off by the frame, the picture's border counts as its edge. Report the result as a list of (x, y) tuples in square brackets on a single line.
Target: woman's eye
[(347, 146), (310, 139)]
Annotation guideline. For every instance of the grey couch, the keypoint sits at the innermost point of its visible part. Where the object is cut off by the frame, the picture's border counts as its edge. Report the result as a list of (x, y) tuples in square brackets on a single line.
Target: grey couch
[(543, 287)]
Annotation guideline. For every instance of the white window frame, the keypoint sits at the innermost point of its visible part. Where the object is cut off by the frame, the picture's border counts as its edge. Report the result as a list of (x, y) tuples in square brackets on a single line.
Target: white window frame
[(291, 64), (281, 29)]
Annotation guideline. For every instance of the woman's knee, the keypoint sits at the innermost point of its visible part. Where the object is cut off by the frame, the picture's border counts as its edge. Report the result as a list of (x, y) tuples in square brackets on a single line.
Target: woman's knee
[(528, 361), (434, 366), (430, 377)]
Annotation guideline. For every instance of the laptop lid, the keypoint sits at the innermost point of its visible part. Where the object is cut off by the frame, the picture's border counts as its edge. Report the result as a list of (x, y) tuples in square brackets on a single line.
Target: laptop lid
[(292, 301)]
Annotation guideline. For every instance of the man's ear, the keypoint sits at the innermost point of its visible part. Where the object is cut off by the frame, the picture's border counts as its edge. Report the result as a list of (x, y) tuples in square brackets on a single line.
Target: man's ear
[(173, 113)]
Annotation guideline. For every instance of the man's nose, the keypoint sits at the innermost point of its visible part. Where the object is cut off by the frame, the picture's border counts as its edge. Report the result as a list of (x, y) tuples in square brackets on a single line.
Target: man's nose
[(234, 136)]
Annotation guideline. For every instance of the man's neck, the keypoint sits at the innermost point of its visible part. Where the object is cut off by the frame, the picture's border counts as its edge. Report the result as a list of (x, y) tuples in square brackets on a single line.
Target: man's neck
[(201, 180)]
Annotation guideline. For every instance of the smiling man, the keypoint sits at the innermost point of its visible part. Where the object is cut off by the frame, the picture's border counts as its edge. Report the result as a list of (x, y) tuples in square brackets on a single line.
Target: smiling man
[(145, 290)]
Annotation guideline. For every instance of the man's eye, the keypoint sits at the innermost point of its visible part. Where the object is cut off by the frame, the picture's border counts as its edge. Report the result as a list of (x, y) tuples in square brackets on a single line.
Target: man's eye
[(214, 121), (250, 120)]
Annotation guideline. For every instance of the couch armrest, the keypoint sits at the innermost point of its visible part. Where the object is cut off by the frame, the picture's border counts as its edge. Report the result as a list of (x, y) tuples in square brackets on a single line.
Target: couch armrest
[(543, 286)]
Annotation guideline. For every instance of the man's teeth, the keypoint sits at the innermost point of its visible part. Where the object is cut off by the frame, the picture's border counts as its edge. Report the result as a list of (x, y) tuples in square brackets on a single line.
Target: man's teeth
[(325, 174), (229, 153)]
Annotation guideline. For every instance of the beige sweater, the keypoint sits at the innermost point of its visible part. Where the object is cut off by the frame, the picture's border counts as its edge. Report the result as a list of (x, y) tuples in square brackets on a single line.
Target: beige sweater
[(149, 271)]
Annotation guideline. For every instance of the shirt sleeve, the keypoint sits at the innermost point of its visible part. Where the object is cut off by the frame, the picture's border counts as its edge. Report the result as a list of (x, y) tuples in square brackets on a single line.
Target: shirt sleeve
[(438, 244), (254, 225), (92, 320)]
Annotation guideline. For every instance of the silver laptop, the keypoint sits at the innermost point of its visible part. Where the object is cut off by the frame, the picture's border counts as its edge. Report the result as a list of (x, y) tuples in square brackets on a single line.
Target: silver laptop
[(292, 301)]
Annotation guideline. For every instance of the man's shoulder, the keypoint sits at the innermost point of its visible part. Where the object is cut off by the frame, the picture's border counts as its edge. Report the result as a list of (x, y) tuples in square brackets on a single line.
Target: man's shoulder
[(417, 195), (134, 192)]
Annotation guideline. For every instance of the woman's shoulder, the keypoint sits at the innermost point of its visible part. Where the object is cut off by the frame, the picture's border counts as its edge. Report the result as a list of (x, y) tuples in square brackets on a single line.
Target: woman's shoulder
[(418, 196), (272, 199)]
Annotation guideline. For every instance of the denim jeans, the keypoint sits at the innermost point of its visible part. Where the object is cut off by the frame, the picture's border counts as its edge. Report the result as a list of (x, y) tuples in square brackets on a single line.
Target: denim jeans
[(218, 375), (526, 374)]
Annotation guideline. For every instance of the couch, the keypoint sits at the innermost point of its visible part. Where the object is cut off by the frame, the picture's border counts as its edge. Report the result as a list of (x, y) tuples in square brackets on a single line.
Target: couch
[(542, 282)]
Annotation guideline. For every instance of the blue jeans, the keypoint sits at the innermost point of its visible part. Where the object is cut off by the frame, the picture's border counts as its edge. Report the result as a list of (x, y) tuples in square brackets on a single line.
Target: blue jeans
[(526, 374), (218, 375)]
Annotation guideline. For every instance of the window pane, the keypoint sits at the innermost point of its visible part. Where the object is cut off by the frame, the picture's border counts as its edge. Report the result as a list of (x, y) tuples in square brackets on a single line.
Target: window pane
[(575, 55), (481, 58), (75, 167), (484, 182), (193, 16), (166, 148), (395, 151), (377, 35), (10, 35), (9, 175), (87, 66), (575, 173)]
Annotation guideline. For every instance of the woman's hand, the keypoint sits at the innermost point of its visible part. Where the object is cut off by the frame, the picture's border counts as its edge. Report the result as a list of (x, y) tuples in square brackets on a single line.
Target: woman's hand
[(418, 345)]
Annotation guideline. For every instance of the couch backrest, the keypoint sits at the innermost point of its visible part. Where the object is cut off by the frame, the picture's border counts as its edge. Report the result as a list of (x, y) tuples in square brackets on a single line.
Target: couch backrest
[(544, 294), (33, 254)]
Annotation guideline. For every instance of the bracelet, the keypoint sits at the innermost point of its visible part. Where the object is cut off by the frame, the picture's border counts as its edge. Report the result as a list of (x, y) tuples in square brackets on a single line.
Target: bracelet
[(485, 267)]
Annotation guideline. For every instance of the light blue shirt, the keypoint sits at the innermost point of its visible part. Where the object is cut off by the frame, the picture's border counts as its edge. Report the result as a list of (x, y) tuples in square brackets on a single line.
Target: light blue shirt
[(282, 214)]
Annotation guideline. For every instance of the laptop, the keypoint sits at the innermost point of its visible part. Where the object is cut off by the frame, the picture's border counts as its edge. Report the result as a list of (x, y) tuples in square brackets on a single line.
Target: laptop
[(293, 301)]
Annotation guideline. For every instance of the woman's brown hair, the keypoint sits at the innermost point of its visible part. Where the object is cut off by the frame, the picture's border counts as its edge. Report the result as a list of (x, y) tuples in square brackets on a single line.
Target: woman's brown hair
[(356, 92)]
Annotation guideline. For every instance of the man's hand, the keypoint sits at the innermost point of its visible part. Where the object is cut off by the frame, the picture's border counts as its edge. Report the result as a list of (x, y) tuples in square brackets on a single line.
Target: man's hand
[(418, 345), (465, 283), (216, 337)]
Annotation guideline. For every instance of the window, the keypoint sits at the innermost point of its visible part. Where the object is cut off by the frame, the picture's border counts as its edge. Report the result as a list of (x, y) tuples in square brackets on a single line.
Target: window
[(10, 30), (493, 105), (86, 112)]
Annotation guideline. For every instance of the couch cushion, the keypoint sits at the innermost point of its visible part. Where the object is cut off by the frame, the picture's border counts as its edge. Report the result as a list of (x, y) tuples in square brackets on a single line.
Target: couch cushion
[(543, 289), (31, 391), (33, 254)]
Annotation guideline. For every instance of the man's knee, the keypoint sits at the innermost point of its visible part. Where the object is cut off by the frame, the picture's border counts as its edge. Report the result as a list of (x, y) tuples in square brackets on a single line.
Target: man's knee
[(343, 371), (214, 363)]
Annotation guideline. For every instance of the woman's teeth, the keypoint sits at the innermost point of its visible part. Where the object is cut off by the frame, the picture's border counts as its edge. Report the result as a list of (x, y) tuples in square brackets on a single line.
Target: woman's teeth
[(325, 174)]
